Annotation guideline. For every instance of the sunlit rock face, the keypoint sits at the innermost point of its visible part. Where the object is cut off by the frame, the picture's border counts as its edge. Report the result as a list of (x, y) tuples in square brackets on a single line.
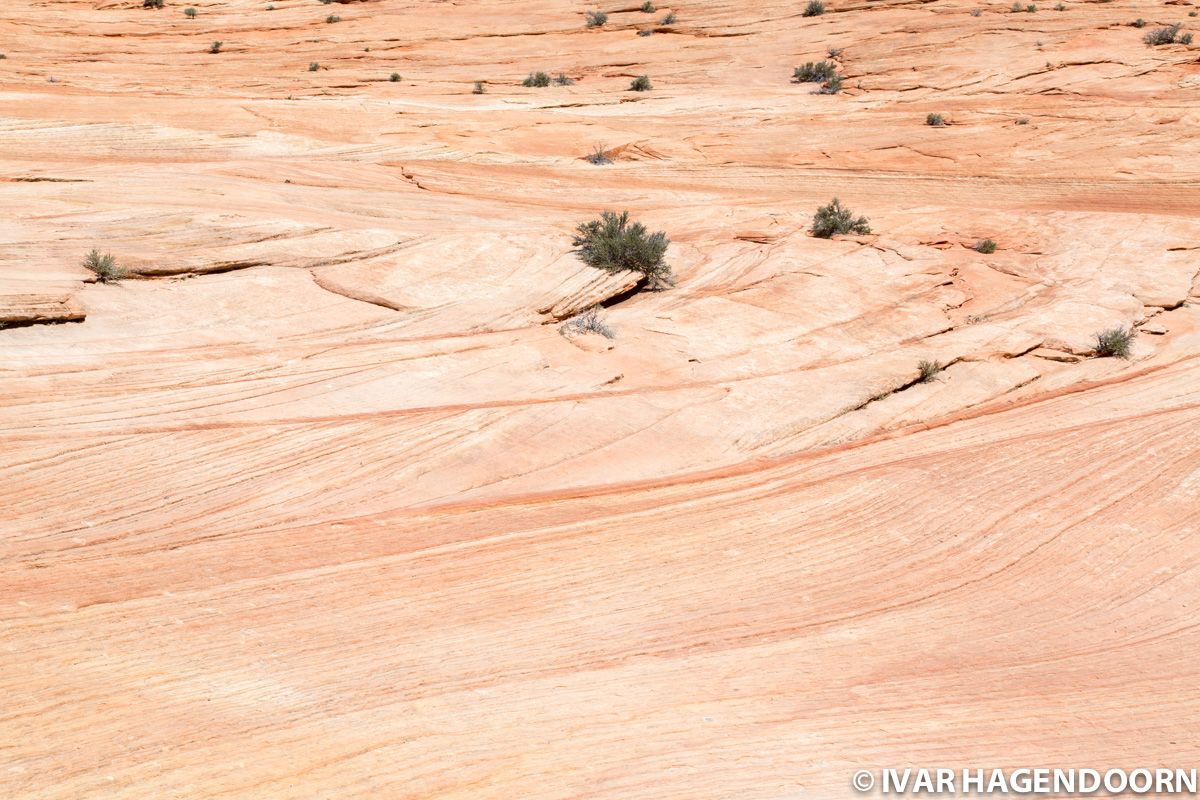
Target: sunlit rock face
[(322, 500)]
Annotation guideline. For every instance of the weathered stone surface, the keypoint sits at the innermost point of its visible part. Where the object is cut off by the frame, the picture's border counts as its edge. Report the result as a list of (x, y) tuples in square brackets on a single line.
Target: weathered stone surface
[(321, 503), (33, 309)]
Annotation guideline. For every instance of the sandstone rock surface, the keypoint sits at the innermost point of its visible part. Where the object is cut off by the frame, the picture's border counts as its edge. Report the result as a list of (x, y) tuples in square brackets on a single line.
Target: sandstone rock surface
[(321, 504)]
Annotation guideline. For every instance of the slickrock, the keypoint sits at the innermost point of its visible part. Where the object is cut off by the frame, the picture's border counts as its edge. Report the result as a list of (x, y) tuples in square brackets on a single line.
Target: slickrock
[(319, 502)]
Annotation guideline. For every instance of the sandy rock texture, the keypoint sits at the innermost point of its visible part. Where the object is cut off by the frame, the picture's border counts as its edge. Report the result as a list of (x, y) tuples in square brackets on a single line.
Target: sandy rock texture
[(320, 503)]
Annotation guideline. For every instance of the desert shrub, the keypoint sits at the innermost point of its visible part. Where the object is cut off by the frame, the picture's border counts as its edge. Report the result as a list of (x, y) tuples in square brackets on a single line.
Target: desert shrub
[(152, 3), (985, 246), (1023, 121), (976, 12), (927, 369), (815, 8), (1060, 7), (814, 72), (1160, 36), (215, 47), (313, 66), (645, 32), (935, 120), (332, 18), (588, 321), (640, 84), (103, 266), (599, 156), (613, 245), (1191, 13), (1031, 9), (837, 219), (1185, 39), (270, 8), (648, 7), (669, 19), (832, 85), (394, 77), (537, 79), (478, 88), (1114, 342), (189, 12), (596, 18), (834, 52), (1139, 23), (563, 80), (1016, 8)]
